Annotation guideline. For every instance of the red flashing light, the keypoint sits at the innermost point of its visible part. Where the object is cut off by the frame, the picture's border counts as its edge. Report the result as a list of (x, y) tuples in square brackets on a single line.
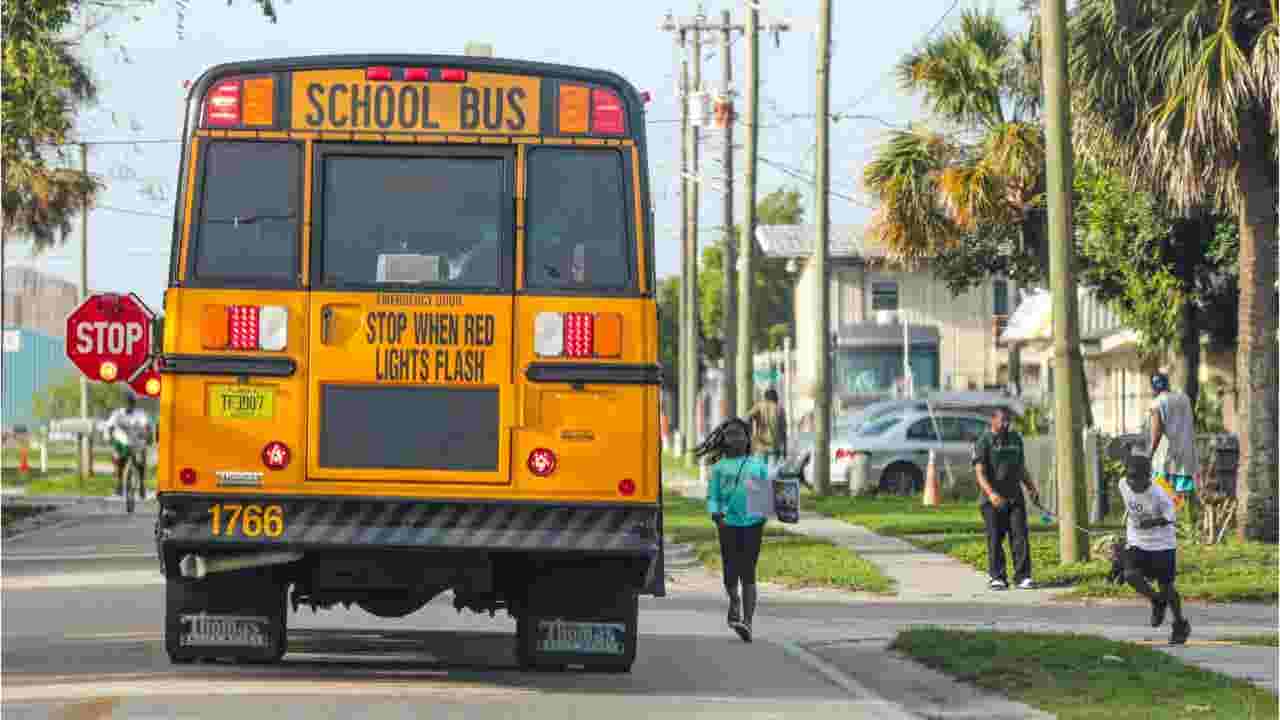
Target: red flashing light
[(841, 454), (542, 462), (627, 487), (276, 455), (579, 334), (188, 476), (453, 75), (222, 105), (377, 73), (416, 74), (607, 116), (244, 327)]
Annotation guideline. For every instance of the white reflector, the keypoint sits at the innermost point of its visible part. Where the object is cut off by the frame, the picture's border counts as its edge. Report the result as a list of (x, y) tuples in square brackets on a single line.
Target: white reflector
[(548, 334), (273, 327)]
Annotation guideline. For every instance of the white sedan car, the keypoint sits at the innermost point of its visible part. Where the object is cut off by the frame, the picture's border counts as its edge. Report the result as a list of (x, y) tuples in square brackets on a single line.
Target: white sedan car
[(896, 449)]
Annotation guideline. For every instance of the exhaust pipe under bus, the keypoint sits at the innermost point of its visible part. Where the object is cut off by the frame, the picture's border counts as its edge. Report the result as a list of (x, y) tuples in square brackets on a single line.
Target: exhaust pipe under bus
[(197, 566)]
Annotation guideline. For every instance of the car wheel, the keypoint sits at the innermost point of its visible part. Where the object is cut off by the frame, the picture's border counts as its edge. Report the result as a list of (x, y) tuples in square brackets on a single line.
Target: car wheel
[(902, 479)]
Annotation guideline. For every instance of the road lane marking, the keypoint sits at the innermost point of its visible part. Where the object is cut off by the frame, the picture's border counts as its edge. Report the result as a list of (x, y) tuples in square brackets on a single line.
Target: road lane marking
[(90, 687), (11, 558), (129, 578)]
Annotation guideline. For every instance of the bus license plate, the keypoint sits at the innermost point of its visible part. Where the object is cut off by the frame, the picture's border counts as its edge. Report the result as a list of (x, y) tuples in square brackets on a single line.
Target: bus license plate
[(242, 402)]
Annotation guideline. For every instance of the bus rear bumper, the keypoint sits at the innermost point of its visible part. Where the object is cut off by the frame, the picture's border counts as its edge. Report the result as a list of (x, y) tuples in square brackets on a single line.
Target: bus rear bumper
[(228, 522)]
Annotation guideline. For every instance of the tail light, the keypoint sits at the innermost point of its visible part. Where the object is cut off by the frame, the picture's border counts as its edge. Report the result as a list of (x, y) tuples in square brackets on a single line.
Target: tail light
[(222, 105), (607, 116), (577, 335), (276, 455), (542, 462), (627, 487), (188, 476), (244, 327)]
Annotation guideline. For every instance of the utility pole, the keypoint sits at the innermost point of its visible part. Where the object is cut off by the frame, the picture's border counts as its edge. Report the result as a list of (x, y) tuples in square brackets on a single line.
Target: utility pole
[(746, 243), (729, 394), (691, 334), (686, 294), (85, 454), (1073, 542), (822, 436)]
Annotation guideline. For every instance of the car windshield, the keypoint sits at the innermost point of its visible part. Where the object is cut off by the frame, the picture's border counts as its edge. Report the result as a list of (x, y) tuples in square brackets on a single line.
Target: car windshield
[(878, 427)]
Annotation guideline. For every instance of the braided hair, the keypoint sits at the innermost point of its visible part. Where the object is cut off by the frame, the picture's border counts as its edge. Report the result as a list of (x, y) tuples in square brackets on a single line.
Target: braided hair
[(731, 438)]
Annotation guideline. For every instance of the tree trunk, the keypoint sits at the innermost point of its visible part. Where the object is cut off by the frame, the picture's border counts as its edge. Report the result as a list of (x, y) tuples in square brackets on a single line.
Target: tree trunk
[(1193, 234), (1256, 351)]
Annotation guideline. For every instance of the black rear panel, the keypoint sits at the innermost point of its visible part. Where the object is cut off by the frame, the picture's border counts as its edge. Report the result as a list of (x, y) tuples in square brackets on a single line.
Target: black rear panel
[(428, 428)]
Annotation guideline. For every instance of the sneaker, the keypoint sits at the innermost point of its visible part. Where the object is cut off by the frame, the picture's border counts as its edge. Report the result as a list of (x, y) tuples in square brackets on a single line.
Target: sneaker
[(998, 584), (1181, 631), (743, 630), (1026, 584), (1157, 613)]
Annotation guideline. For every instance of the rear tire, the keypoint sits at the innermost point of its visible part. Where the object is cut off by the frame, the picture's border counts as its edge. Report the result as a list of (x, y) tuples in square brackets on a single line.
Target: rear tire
[(902, 479)]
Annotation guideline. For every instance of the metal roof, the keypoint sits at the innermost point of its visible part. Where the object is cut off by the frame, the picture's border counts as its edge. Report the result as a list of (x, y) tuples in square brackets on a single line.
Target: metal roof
[(797, 241)]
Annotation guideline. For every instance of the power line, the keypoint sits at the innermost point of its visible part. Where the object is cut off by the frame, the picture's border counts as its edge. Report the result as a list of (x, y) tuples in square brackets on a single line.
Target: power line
[(127, 211), (143, 141), (876, 86), (798, 175)]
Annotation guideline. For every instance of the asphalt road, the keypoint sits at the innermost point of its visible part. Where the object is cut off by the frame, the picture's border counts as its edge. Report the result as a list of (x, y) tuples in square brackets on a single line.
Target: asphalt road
[(83, 608)]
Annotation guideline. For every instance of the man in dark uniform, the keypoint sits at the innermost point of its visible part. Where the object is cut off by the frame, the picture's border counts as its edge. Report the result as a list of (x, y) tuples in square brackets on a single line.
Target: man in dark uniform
[(1001, 468)]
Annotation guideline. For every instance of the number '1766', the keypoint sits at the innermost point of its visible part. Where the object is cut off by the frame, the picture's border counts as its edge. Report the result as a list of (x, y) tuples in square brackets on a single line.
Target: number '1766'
[(231, 519)]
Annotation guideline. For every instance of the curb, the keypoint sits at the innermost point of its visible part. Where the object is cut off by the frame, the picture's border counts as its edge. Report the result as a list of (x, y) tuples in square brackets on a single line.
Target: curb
[(846, 682)]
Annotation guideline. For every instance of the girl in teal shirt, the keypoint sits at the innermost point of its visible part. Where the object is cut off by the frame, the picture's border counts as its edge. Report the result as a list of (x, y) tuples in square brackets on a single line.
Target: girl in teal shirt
[(734, 477)]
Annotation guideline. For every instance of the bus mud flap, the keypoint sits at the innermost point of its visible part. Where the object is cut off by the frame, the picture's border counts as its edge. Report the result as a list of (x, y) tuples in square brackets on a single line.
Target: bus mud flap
[(562, 627), (239, 615)]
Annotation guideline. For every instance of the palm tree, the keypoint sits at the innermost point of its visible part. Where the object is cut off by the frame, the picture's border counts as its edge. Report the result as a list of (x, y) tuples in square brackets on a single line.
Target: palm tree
[(1186, 97), (982, 176)]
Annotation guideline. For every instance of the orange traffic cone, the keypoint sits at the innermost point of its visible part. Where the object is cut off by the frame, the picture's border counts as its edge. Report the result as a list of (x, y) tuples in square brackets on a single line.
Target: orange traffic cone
[(23, 466), (931, 490)]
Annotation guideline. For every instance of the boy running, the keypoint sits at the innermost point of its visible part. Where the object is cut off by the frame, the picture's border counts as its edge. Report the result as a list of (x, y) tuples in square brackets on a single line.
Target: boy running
[(1152, 545)]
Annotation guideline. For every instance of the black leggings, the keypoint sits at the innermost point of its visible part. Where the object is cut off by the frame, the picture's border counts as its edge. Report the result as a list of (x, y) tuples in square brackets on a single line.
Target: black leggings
[(739, 551)]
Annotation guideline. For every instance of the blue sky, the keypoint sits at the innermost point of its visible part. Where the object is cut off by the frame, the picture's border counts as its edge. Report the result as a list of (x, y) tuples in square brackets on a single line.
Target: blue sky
[(141, 97)]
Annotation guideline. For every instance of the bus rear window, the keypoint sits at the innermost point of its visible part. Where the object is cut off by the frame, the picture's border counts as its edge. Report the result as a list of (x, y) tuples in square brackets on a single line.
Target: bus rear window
[(249, 208), (577, 228), (415, 221)]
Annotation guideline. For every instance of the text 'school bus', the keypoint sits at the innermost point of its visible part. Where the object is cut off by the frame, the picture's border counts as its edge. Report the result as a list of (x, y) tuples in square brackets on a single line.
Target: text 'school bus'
[(411, 345)]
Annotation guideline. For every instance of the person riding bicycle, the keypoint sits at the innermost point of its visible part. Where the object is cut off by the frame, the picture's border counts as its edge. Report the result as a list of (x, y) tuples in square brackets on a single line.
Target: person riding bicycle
[(128, 428)]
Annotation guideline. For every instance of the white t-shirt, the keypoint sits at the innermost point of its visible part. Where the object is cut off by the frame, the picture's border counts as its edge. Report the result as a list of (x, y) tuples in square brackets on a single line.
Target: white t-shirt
[(1154, 503), (136, 425)]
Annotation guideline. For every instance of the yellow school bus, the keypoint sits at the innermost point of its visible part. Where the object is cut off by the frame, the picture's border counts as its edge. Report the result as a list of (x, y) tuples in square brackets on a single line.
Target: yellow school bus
[(410, 346)]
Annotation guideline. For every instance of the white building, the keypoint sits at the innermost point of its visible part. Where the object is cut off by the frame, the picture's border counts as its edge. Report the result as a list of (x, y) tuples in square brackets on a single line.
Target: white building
[(954, 341)]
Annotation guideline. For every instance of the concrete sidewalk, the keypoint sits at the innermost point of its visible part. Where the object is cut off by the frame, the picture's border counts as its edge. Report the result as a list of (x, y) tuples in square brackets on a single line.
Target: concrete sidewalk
[(922, 576)]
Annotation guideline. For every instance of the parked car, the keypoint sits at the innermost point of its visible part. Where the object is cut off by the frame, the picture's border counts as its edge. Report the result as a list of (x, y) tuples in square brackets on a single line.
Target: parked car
[(980, 403), (897, 448)]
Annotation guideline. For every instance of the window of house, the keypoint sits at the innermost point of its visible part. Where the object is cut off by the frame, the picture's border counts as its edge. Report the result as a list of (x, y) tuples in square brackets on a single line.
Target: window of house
[(884, 295)]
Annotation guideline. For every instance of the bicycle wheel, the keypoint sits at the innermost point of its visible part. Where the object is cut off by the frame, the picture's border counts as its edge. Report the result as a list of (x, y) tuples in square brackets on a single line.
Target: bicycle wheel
[(130, 477)]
